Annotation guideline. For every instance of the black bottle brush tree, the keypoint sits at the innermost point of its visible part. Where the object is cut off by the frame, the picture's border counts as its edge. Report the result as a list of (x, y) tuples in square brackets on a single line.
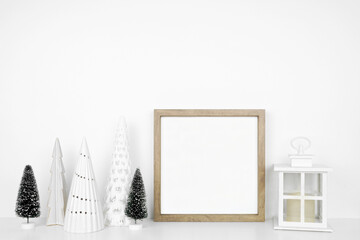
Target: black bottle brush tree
[(28, 203), (136, 202)]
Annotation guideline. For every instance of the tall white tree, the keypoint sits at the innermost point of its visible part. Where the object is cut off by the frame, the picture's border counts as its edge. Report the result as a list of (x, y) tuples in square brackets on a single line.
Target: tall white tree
[(117, 189), (56, 201), (83, 213)]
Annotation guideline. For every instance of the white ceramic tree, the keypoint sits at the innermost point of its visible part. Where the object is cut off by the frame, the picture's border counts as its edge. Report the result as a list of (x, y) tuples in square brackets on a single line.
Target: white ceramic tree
[(117, 189), (56, 201), (83, 212)]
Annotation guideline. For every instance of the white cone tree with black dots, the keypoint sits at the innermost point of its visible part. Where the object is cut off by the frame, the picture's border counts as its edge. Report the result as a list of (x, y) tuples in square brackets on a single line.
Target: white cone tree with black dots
[(118, 185), (56, 201), (83, 213), (136, 203), (28, 202)]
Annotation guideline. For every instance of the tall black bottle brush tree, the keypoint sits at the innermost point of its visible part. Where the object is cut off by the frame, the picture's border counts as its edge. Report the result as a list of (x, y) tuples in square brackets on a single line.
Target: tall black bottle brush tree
[(28, 202), (136, 202)]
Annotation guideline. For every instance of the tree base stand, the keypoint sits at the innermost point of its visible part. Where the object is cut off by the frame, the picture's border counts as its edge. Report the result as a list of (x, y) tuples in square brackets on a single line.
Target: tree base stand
[(135, 227), (27, 226)]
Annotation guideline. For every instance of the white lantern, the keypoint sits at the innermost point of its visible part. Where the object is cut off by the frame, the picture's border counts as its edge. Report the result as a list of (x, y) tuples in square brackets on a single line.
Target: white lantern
[(302, 193)]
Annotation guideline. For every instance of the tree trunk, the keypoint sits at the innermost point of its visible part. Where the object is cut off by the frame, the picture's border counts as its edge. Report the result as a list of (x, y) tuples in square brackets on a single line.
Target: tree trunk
[(135, 221), (27, 219)]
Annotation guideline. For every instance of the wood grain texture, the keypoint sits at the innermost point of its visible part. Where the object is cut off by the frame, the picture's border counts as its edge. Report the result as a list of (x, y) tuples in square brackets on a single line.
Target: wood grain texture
[(260, 114)]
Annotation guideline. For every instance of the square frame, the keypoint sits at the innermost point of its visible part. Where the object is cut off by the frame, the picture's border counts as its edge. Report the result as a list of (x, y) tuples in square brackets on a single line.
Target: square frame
[(260, 216)]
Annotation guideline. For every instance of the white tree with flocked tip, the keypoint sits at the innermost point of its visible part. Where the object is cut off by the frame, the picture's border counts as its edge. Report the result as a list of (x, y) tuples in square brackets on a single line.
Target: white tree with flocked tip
[(56, 201), (117, 189), (83, 212)]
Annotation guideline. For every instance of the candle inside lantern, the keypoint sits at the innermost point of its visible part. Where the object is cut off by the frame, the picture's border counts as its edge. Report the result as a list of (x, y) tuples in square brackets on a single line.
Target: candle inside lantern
[(293, 209)]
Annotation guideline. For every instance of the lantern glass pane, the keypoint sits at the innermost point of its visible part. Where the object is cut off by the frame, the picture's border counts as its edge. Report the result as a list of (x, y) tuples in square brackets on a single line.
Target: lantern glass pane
[(313, 184), (292, 210), (313, 211), (292, 183)]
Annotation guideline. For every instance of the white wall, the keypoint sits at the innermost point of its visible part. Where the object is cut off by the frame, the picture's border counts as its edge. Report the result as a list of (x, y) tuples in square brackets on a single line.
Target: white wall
[(70, 68)]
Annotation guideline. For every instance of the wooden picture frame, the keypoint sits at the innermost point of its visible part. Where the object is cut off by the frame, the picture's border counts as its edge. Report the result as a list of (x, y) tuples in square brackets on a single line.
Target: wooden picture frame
[(202, 115)]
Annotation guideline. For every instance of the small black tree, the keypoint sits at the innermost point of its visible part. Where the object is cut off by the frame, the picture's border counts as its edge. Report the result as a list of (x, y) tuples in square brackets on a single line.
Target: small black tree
[(136, 202), (28, 204)]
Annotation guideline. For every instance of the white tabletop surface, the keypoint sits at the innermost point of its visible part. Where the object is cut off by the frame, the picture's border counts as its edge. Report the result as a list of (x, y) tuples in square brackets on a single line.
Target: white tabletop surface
[(348, 229)]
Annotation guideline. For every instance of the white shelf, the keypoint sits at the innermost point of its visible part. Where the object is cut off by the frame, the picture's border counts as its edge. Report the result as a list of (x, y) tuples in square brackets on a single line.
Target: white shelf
[(346, 229)]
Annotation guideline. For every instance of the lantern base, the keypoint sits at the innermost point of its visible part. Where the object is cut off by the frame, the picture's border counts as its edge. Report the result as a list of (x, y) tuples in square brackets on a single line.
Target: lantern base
[(309, 229), (28, 226)]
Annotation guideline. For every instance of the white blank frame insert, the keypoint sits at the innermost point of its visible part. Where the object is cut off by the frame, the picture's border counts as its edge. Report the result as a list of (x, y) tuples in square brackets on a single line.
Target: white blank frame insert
[(209, 165)]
